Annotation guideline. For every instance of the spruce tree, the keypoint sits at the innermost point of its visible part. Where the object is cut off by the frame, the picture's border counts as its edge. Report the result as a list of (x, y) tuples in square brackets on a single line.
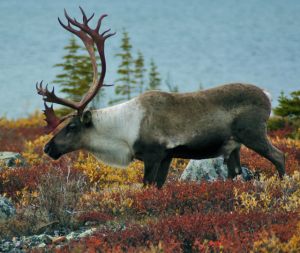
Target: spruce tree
[(139, 72), (154, 80), (125, 86), (288, 106), (77, 74)]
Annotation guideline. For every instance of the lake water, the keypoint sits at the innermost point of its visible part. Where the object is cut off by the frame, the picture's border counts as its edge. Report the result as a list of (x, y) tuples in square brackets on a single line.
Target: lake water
[(208, 42)]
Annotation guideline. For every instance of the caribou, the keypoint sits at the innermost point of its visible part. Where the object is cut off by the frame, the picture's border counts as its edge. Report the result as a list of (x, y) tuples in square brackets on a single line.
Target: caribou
[(157, 126)]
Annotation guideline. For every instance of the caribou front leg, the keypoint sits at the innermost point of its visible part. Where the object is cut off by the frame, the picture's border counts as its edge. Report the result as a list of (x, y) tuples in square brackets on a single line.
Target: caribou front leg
[(156, 170), (162, 173), (151, 166)]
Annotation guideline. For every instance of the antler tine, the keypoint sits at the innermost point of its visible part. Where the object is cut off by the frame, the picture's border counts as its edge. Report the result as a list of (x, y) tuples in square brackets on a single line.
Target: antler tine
[(109, 35), (37, 86), (85, 20), (99, 23), (52, 98), (52, 120), (69, 18), (106, 31), (67, 27), (90, 17)]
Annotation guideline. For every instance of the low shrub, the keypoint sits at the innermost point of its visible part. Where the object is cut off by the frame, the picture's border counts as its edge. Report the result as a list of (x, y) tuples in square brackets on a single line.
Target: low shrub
[(271, 194), (233, 231), (59, 193), (269, 242)]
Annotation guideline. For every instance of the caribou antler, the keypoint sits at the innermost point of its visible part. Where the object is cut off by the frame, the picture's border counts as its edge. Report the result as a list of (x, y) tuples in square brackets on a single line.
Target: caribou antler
[(89, 37)]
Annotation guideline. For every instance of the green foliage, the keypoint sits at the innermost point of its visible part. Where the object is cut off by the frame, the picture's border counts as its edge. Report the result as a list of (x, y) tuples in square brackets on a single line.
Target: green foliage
[(139, 72), (77, 75), (154, 80), (72, 83), (126, 81), (275, 123), (288, 107), (132, 72)]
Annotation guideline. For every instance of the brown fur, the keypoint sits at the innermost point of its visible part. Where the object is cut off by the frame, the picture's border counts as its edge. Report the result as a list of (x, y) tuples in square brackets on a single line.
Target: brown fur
[(173, 114), (204, 124)]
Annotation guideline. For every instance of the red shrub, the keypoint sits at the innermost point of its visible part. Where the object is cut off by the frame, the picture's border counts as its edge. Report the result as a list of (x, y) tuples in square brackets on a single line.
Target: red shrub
[(15, 180), (255, 162), (189, 197), (94, 216), (234, 231), (13, 139), (284, 132)]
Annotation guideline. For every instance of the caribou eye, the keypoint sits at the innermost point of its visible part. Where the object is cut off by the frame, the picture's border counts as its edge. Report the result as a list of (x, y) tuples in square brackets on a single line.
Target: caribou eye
[(71, 127)]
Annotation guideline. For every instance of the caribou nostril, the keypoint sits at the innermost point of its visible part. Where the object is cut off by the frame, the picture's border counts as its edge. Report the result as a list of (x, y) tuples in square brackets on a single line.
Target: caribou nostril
[(47, 148)]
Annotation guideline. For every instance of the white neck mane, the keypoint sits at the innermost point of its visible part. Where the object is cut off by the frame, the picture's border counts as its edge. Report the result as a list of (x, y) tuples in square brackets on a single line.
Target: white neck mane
[(115, 130)]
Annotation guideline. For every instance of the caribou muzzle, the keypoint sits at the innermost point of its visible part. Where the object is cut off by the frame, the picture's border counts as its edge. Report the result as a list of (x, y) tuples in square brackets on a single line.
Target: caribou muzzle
[(51, 150)]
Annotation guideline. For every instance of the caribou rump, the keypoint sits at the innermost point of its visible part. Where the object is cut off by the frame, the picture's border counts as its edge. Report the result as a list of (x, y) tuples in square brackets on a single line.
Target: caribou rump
[(156, 126)]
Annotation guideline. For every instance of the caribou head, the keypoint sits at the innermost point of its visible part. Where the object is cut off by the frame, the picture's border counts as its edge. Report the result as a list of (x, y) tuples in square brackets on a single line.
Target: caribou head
[(69, 137)]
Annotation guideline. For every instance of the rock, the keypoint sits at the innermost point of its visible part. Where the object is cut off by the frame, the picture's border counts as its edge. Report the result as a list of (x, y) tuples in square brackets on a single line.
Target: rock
[(71, 236), (6, 246), (18, 244), (90, 223), (41, 245), (247, 174), (7, 210), (36, 240), (210, 170), (11, 159), (43, 238), (87, 233), (207, 169)]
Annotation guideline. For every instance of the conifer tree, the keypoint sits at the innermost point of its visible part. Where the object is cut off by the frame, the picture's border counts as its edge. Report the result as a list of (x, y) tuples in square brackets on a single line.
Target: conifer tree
[(75, 78), (289, 106), (139, 72), (125, 86), (77, 74), (154, 80)]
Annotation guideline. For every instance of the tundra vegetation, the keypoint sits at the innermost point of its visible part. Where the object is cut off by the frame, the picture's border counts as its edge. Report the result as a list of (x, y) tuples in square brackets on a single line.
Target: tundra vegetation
[(77, 191)]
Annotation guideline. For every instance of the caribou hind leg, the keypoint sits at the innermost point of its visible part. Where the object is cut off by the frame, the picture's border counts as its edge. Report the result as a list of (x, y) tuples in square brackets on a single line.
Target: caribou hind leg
[(233, 163), (267, 150), (231, 153), (256, 139)]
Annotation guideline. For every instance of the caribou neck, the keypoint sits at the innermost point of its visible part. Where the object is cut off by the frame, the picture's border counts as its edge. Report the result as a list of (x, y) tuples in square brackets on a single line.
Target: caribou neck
[(113, 133)]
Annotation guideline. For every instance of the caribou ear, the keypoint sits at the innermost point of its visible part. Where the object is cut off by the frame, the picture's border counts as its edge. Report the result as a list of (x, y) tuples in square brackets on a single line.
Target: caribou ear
[(87, 118)]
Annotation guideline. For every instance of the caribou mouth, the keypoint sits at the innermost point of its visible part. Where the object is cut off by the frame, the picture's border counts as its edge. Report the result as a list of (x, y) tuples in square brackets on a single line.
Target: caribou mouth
[(55, 156), (51, 152)]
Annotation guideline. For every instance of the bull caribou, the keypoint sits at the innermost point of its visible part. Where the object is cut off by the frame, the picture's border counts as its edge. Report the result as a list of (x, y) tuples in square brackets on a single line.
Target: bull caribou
[(157, 126)]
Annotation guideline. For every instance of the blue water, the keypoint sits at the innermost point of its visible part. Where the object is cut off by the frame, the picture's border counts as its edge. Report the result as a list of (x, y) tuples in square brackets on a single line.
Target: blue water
[(207, 42)]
